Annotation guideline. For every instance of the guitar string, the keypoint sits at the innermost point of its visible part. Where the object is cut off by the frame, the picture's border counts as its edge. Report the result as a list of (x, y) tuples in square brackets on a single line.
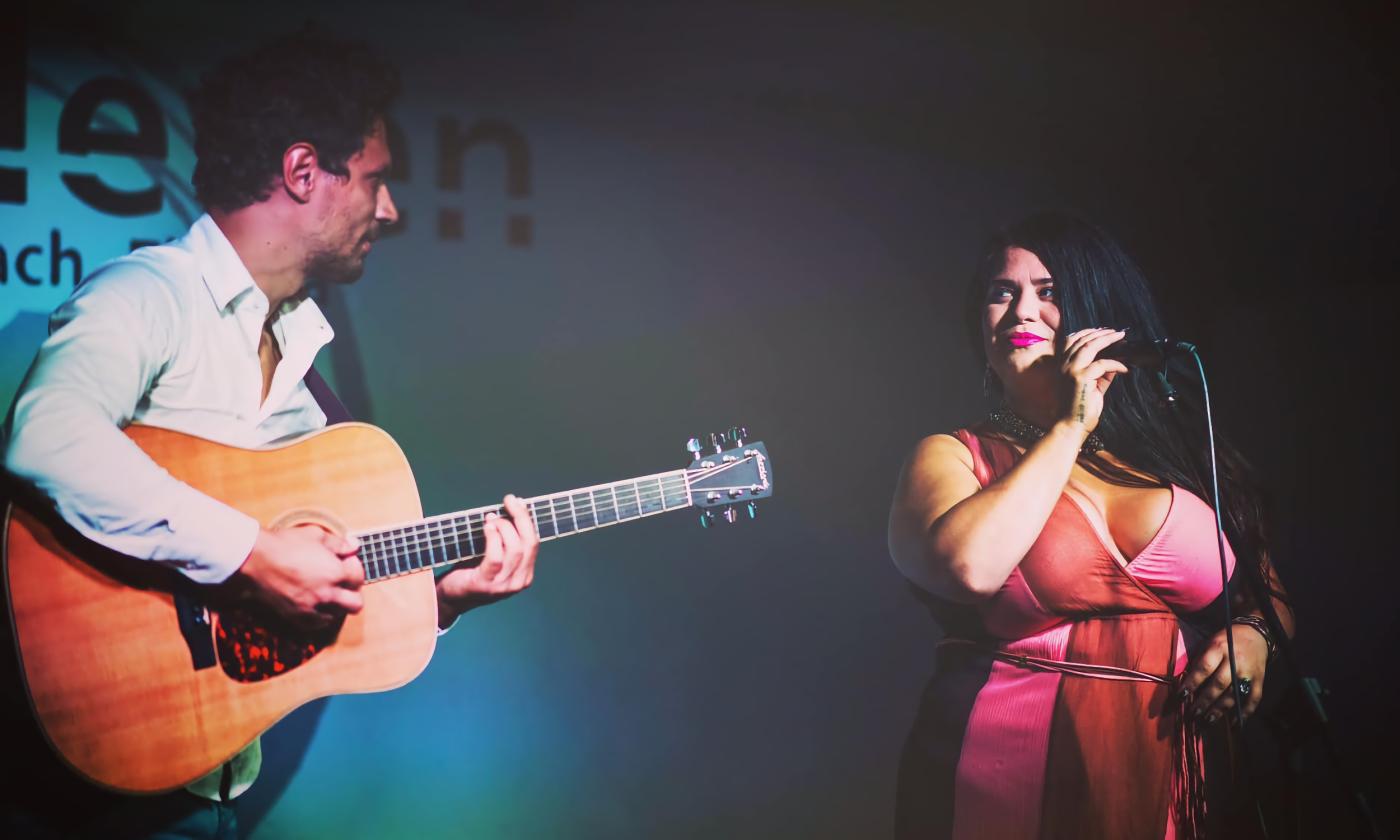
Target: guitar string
[(683, 474), (556, 505), (379, 551), (384, 553), (376, 569), (421, 535), (556, 513), (435, 535)]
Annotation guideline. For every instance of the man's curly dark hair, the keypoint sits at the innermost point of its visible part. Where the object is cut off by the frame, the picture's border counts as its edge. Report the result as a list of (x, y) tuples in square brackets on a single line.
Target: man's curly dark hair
[(305, 87)]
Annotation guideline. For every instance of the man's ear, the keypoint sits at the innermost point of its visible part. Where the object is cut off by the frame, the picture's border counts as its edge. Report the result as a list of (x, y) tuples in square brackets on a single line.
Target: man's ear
[(299, 171)]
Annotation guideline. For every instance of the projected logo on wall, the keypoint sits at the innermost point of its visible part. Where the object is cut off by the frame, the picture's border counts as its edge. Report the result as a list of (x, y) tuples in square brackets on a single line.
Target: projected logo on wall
[(95, 159)]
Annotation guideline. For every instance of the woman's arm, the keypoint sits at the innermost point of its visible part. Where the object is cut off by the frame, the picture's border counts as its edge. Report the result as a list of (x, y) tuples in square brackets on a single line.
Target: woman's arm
[(961, 541)]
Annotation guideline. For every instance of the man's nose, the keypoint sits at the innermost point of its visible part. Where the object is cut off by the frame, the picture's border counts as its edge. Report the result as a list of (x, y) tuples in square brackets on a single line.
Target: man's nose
[(385, 211)]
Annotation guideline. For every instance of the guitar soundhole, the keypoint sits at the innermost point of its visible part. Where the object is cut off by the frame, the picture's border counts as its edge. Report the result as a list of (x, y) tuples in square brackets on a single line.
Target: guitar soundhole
[(249, 652)]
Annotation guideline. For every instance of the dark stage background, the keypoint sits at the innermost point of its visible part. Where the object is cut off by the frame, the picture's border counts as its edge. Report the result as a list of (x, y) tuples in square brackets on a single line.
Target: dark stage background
[(627, 223)]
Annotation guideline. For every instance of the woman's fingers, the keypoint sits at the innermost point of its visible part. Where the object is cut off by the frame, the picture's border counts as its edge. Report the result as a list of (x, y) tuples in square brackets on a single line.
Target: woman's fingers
[(1086, 347)]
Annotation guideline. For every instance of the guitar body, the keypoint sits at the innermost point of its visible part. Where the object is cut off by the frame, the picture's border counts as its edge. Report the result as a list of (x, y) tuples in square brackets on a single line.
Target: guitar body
[(111, 676)]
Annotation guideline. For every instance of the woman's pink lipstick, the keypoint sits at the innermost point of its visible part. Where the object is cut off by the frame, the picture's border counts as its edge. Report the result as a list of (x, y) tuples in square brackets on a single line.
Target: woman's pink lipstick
[(1025, 339)]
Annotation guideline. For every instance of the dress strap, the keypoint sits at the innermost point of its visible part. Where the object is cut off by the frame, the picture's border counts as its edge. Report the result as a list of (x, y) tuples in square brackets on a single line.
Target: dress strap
[(980, 468)]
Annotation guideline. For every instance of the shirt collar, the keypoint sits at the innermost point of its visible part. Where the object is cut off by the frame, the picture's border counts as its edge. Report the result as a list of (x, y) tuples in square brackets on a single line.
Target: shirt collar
[(228, 279), (225, 275)]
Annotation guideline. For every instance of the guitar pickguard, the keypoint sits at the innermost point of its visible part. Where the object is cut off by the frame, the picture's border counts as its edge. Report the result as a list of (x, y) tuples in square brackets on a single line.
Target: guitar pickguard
[(249, 652)]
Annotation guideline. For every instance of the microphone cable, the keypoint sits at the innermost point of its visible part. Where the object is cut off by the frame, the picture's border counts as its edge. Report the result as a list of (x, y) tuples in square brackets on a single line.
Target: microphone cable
[(1225, 587)]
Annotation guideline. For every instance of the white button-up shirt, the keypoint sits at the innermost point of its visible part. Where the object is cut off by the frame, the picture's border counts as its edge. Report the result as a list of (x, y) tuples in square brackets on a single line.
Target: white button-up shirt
[(165, 336)]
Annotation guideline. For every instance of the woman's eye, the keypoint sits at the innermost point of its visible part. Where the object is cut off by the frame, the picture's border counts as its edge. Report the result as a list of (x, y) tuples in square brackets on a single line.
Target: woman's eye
[(1047, 292), (998, 293)]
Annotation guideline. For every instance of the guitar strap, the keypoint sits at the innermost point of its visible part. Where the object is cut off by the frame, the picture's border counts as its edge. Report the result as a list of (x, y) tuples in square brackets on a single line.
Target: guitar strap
[(330, 404)]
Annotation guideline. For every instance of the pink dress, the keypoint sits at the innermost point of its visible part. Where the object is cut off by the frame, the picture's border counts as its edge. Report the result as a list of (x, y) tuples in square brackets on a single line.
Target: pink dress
[(1003, 749)]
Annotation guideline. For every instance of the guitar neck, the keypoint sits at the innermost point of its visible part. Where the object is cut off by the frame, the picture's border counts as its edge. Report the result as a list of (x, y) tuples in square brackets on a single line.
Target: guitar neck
[(458, 537)]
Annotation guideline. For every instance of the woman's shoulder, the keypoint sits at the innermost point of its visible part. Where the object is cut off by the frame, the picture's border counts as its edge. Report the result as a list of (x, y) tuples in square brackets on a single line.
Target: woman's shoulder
[(947, 448)]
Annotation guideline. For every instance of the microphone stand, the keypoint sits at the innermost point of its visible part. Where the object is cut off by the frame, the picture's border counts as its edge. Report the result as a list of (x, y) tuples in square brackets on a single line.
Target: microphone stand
[(1314, 716)]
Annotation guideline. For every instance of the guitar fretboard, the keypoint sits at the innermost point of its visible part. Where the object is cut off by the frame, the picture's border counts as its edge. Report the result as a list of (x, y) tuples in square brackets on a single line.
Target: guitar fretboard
[(457, 537)]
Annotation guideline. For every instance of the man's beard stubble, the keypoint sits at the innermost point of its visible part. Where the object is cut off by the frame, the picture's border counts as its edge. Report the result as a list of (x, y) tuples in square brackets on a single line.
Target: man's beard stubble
[(329, 267)]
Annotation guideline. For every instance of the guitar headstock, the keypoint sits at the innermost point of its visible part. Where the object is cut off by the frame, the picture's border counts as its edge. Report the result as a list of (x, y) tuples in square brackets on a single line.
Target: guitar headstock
[(728, 474)]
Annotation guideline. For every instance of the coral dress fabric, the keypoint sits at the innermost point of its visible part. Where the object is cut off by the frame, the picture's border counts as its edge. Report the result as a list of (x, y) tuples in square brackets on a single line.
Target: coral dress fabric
[(1005, 752)]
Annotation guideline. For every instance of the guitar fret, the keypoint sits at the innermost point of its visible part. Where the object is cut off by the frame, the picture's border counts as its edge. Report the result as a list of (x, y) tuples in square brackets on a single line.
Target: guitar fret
[(536, 513), (443, 540)]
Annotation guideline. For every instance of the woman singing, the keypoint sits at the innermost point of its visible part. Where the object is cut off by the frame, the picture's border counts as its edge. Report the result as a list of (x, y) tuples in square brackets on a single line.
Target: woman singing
[(1065, 543)]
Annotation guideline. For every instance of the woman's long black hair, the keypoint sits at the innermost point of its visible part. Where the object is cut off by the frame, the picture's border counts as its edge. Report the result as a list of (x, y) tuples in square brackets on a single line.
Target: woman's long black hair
[(1098, 285)]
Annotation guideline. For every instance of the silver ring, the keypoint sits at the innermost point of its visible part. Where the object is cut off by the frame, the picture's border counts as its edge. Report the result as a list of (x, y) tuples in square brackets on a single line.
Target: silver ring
[(1245, 686)]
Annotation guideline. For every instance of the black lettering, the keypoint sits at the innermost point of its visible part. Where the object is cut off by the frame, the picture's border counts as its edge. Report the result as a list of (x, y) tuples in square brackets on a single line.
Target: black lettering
[(4, 266), (452, 148), (14, 186), (22, 265), (77, 135), (57, 254), (14, 183)]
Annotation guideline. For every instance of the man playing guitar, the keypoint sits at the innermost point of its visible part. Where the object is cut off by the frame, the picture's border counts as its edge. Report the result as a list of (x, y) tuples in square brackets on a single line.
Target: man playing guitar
[(212, 335)]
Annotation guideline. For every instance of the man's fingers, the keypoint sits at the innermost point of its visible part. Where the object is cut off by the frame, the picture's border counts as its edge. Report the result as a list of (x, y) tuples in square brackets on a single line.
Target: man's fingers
[(510, 550), (491, 561), (520, 518), (341, 545), (354, 572), (345, 599)]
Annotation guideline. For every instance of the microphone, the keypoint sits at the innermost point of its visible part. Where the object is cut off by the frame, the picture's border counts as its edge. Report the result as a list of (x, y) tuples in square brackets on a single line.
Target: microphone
[(1146, 353)]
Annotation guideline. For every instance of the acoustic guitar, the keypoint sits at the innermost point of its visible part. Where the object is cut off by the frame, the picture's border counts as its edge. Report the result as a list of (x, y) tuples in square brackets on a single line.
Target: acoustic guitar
[(144, 681)]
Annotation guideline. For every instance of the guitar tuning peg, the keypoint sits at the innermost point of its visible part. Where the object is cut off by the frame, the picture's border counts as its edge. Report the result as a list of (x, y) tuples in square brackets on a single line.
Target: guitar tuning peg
[(694, 447), (730, 514), (717, 441), (737, 435), (752, 508), (707, 518)]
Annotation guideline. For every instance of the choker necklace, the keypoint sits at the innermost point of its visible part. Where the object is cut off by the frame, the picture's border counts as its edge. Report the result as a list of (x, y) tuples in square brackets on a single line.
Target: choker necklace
[(1008, 422)]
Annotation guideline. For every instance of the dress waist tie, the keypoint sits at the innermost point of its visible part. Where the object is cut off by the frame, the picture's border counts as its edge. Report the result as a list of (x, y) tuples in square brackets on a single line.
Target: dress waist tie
[(1078, 669), (1188, 782)]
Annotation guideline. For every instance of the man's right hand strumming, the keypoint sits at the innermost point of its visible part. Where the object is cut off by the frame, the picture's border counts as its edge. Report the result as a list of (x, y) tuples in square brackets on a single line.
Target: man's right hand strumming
[(305, 574)]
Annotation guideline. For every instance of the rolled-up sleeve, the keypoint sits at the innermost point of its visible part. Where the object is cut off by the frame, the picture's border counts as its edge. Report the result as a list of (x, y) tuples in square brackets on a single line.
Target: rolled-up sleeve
[(107, 344)]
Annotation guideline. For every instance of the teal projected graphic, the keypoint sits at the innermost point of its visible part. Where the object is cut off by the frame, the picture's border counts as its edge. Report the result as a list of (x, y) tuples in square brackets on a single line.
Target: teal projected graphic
[(99, 164)]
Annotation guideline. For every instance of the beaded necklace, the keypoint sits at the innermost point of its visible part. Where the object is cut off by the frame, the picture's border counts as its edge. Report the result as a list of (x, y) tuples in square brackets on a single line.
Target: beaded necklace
[(1009, 422)]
